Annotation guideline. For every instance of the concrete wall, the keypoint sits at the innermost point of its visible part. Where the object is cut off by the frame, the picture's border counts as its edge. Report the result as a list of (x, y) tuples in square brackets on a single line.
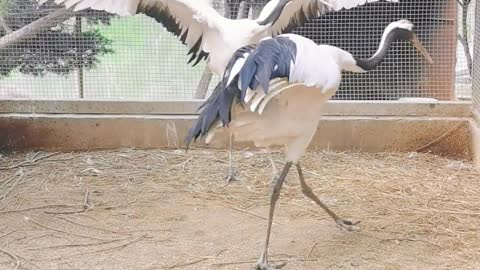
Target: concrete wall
[(475, 130), (442, 128)]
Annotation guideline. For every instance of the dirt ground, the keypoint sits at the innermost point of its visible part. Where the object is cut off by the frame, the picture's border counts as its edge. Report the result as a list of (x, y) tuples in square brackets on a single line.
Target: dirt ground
[(137, 209)]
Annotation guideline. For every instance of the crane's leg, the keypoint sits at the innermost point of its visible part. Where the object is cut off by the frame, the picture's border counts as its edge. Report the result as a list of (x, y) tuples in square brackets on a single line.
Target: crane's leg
[(275, 173), (307, 191), (231, 171), (262, 263)]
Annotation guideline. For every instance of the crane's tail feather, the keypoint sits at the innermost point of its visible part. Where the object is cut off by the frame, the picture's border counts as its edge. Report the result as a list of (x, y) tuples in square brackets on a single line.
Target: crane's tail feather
[(249, 68), (218, 106)]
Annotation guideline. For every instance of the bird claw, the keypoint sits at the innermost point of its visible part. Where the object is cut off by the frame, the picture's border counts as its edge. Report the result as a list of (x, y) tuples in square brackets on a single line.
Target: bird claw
[(347, 225), (230, 177), (263, 265)]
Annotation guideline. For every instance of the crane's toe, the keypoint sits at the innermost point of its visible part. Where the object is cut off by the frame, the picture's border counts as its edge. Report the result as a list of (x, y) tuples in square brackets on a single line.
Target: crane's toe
[(262, 264), (265, 266), (230, 177), (347, 225)]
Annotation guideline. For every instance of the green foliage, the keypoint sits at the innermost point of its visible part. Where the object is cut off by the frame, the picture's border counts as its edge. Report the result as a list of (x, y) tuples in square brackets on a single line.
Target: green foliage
[(4, 6), (59, 50)]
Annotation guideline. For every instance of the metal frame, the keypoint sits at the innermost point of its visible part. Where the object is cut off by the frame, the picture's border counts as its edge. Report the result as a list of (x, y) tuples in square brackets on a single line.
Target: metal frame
[(333, 107), (476, 64), (347, 125)]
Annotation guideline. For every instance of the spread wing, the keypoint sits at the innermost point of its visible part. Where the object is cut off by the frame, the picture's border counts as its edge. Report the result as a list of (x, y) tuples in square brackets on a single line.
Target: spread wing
[(297, 12), (194, 22)]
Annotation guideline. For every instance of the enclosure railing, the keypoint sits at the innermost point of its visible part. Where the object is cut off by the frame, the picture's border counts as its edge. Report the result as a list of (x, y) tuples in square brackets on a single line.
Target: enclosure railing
[(96, 56), (476, 68)]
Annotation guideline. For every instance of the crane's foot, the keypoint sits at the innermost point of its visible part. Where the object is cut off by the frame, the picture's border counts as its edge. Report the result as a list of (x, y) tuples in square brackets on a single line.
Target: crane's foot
[(262, 264), (269, 266), (230, 177), (347, 225)]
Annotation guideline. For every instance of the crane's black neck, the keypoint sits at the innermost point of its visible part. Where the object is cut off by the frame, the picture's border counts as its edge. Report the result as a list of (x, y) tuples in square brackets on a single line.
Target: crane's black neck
[(275, 14), (387, 40)]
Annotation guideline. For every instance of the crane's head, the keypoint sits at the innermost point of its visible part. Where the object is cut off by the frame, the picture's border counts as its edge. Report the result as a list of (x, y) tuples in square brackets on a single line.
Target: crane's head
[(403, 30)]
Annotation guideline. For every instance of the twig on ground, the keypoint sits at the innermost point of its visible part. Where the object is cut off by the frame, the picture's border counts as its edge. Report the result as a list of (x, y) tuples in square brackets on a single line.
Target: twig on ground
[(186, 264), (13, 256), (196, 156), (40, 207), (452, 212), (221, 251), (411, 240), (7, 181), (79, 245), (103, 250), (184, 164), (232, 263), (86, 207), (68, 233), (66, 212), (91, 227), (312, 249), (7, 234), (201, 259), (83, 210), (29, 262), (19, 178), (246, 212), (30, 162), (86, 202)]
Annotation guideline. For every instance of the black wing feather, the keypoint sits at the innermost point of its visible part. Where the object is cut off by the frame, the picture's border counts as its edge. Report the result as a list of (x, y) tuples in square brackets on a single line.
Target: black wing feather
[(300, 17), (164, 17), (269, 59), (218, 105)]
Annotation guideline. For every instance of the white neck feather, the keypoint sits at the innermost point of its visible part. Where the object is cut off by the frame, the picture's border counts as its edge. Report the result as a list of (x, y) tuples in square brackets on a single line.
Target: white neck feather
[(344, 59)]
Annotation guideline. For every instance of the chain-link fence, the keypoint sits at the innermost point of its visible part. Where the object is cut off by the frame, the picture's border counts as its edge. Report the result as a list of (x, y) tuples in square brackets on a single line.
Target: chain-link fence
[(99, 56), (476, 64)]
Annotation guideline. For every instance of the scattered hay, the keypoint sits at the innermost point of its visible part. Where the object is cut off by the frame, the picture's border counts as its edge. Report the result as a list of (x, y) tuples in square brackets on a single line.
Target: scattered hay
[(399, 197)]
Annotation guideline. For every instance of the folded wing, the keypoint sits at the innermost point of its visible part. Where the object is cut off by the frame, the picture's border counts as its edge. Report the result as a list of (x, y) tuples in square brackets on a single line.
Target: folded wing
[(253, 76)]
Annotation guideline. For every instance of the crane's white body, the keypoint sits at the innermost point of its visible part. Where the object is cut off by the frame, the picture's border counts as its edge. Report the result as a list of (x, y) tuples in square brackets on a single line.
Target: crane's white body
[(273, 93), (220, 37), (300, 75), (290, 119), (231, 35), (289, 114)]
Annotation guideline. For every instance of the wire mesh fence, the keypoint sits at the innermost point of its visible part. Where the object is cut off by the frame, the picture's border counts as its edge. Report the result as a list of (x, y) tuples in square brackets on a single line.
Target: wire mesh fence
[(476, 63), (95, 55)]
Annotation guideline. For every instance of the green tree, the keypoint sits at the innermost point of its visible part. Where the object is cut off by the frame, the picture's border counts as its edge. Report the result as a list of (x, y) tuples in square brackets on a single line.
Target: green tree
[(60, 49)]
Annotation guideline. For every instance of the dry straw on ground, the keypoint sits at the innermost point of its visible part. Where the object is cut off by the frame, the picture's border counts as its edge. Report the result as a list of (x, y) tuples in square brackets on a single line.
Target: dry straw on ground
[(167, 209)]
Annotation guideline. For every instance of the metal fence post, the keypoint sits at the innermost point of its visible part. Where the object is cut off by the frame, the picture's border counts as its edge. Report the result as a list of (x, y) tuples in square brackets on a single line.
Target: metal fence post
[(476, 63), (79, 71)]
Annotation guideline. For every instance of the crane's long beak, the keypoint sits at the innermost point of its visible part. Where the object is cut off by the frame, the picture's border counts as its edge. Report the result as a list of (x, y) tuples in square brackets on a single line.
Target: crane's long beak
[(415, 42)]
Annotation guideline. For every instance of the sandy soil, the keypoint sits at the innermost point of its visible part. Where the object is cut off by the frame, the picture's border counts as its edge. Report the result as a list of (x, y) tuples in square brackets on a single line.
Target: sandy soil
[(136, 209)]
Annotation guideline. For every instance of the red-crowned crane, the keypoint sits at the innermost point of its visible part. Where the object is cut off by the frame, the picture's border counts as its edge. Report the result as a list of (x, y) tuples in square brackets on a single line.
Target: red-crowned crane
[(211, 36), (273, 94), (208, 34)]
